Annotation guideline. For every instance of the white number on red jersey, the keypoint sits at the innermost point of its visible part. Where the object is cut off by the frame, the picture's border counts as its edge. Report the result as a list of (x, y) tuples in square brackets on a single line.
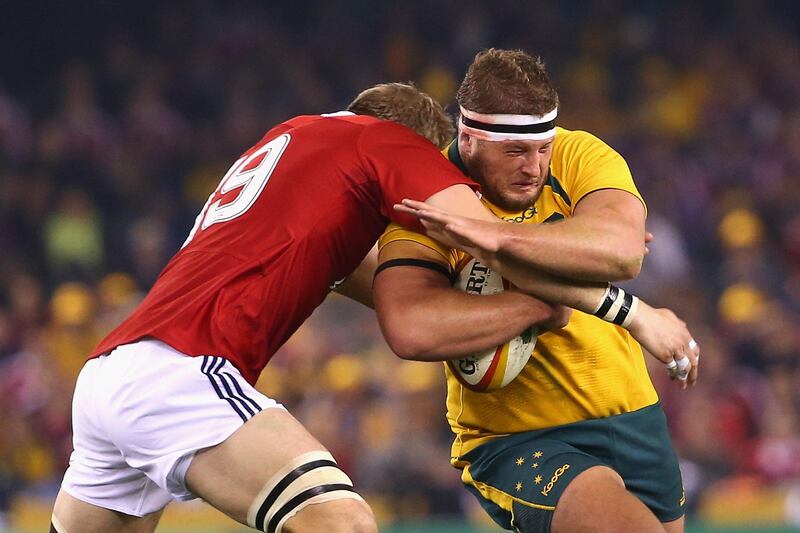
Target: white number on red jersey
[(250, 173)]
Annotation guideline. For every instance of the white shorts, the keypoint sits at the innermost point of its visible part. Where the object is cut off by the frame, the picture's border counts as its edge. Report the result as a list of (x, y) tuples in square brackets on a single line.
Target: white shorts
[(140, 414)]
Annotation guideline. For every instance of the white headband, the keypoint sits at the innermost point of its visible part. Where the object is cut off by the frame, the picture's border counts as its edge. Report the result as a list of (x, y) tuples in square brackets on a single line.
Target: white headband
[(497, 127)]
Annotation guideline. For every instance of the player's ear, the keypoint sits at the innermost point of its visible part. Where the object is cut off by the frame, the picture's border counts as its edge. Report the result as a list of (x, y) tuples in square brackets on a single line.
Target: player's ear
[(466, 144)]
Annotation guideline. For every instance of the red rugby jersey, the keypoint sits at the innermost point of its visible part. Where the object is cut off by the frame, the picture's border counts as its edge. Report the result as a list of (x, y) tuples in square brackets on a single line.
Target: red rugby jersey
[(297, 212)]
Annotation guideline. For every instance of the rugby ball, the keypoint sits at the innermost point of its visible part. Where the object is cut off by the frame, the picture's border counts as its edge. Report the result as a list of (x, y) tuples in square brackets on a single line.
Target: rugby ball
[(495, 368)]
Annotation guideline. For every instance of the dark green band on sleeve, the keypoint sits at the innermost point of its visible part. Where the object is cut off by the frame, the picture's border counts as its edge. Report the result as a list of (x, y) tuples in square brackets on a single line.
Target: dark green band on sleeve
[(432, 265)]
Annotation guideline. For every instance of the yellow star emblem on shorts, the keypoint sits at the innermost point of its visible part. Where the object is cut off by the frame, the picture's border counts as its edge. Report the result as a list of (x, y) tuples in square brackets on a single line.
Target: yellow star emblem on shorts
[(518, 486), (535, 465), (537, 479), (520, 460), (538, 454)]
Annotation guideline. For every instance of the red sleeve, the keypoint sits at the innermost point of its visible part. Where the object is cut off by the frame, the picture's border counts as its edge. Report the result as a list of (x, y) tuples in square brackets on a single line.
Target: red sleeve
[(406, 165)]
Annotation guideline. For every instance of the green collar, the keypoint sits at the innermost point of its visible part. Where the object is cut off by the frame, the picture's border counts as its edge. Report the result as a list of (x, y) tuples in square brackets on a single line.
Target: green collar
[(455, 157)]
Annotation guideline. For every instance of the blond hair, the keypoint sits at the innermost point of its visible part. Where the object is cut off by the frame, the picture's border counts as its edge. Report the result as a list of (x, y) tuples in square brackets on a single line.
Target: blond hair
[(404, 103)]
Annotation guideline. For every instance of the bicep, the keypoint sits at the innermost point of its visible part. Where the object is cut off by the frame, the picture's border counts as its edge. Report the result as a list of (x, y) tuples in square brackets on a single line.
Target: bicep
[(396, 289), (617, 203)]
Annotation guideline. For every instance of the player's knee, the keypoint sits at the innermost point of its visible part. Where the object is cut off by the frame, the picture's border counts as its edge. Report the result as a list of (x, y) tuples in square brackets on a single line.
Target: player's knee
[(364, 523), (354, 517), (341, 516)]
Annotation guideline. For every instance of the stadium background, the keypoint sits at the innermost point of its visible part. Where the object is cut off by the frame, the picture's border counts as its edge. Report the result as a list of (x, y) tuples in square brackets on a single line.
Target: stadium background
[(118, 119)]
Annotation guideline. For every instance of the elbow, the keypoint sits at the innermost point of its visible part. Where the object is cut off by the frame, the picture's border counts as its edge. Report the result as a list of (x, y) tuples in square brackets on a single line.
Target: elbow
[(405, 342), (561, 317), (630, 268), (627, 264), (401, 328), (405, 348)]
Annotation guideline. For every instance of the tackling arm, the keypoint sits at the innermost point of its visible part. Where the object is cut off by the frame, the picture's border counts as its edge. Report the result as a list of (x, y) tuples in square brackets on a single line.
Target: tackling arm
[(603, 240)]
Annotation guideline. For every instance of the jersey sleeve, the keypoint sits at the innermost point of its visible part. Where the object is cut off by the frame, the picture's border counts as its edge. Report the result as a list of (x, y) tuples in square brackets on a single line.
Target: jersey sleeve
[(586, 164), (394, 233), (406, 165)]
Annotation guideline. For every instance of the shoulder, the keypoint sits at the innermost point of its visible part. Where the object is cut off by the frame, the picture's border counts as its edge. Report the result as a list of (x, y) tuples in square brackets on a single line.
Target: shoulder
[(385, 138), (341, 119), (579, 142), (388, 129)]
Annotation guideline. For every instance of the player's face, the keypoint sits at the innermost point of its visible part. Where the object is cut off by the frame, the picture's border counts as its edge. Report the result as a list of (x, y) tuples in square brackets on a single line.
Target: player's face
[(511, 173)]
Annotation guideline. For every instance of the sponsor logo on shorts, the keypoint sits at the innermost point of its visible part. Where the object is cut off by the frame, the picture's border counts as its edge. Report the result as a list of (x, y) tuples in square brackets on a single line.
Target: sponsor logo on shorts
[(557, 474)]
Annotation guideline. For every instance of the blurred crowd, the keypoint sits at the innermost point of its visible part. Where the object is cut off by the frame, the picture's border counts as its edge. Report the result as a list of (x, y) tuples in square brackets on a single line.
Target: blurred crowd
[(117, 122)]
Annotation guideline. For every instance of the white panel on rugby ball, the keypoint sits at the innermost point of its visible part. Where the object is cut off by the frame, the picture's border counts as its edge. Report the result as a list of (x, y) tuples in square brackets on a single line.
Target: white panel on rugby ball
[(495, 368)]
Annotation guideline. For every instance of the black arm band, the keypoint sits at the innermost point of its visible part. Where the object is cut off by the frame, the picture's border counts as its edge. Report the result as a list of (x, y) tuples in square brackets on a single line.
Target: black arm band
[(617, 307), (611, 297), (432, 265)]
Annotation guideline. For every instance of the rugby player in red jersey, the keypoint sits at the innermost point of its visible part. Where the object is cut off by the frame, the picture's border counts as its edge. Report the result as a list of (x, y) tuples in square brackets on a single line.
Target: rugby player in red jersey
[(165, 407)]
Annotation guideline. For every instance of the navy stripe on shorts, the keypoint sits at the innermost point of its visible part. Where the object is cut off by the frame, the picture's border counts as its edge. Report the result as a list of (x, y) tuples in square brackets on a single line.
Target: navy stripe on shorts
[(227, 387)]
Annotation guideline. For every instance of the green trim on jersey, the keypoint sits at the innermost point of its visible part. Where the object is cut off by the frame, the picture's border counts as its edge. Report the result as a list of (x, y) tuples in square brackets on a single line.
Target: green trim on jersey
[(554, 184), (455, 156)]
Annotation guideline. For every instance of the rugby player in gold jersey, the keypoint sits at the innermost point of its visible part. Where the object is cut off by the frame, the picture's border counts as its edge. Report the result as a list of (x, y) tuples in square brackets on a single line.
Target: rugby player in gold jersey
[(578, 441)]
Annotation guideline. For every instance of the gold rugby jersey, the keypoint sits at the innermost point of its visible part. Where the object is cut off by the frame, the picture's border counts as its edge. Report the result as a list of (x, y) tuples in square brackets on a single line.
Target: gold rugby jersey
[(590, 369)]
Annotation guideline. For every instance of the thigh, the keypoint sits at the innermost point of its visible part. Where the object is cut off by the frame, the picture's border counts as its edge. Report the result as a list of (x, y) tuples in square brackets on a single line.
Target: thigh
[(76, 516), (646, 460), (139, 416), (98, 475), (270, 469), (596, 501), (675, 526), (519, 482), (160, 407)]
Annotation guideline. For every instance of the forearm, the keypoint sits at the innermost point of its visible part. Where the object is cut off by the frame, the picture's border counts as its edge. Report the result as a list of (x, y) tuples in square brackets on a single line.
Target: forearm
[(581, 295), (603, 239), (586, 248), (441, 324)]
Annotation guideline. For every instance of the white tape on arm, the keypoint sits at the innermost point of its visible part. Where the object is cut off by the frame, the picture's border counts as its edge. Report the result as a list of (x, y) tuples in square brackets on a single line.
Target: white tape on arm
[(683, 368)]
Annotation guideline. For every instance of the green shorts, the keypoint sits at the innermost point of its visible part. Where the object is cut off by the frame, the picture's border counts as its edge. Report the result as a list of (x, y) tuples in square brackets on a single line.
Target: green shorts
[(518, 479)]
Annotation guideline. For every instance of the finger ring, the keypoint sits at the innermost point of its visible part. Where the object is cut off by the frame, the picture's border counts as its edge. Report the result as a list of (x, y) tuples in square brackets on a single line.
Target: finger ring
[(692, 344)]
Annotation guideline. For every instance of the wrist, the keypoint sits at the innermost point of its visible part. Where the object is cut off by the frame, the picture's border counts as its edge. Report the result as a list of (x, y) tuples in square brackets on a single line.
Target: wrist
[(508, 240), (617, 306)]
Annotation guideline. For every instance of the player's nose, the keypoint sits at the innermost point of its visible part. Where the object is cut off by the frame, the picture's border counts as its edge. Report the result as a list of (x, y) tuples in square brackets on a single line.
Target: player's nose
[(531, 165)]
